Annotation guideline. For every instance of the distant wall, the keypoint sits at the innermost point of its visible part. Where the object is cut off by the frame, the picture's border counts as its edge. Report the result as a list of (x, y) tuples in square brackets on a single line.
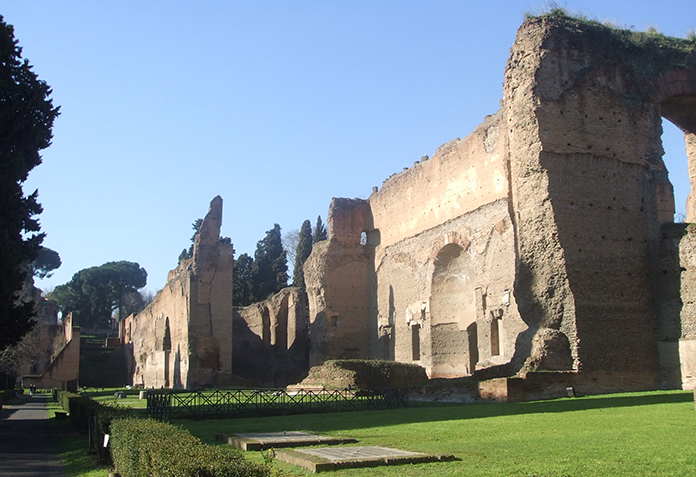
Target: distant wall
[(183, 339), (271, 339), (462, 176), (64, 371)]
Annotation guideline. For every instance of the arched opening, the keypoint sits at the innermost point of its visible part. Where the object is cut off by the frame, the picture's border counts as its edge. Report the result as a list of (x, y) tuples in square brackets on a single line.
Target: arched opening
[(452, 312), (676, 162), (678, 105)]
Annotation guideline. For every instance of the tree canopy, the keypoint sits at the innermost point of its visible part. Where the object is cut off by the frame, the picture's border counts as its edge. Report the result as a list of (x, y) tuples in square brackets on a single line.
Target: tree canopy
[(46, 261), (94, 293), (304, 249), (26, 123)]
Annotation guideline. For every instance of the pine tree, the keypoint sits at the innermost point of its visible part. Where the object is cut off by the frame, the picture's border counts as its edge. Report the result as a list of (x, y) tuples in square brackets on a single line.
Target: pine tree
[(270, 267), (304, 248), (320, 232)]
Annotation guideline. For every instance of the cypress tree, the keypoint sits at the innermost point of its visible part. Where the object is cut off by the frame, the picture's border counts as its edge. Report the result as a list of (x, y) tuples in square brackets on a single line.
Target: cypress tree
[(26, 121), (320, 232), (304, 248), (270, 268), (243, 284)]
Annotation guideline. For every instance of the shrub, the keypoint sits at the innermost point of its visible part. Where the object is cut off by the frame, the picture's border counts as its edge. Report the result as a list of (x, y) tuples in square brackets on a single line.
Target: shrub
[(364, 373), (144, 447), (91, 416)]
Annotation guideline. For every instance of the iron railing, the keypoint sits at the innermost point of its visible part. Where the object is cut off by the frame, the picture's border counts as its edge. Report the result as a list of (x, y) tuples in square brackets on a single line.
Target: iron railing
[(167, 404)]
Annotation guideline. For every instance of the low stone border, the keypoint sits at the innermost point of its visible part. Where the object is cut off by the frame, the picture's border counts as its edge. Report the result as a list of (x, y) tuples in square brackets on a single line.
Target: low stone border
[(276, 440), (327, 459)]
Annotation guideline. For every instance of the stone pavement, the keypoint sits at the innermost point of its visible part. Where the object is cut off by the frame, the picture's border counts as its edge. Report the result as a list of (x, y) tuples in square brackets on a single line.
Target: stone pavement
[(268, 440), (27, 446), (335, 458)]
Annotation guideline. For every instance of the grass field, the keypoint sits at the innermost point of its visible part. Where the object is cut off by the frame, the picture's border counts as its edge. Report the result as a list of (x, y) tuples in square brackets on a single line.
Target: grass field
[(106, 396), (646, 434)]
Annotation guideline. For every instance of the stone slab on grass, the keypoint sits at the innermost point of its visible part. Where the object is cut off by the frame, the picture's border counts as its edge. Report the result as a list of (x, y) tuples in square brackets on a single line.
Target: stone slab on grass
[(335, 458), (268, 440)]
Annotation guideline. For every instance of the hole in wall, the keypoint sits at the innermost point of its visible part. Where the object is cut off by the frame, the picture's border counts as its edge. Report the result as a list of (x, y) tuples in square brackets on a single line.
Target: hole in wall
[(677, 167), (363, 238)]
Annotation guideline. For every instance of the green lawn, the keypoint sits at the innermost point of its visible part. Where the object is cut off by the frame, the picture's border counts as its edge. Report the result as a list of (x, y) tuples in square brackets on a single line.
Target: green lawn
[(622, 434), (106, 396)]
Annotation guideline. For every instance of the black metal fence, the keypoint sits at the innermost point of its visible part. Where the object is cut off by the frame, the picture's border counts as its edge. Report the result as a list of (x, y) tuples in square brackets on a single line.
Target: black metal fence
[(167, 405)]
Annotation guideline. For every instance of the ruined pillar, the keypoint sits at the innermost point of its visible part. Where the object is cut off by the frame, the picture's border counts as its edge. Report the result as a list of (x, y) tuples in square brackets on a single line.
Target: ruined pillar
[(337, 278), (690, 140)]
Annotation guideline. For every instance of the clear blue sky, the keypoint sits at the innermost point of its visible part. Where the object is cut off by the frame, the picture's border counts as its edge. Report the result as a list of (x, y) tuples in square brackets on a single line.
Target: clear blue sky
[(276, 106)]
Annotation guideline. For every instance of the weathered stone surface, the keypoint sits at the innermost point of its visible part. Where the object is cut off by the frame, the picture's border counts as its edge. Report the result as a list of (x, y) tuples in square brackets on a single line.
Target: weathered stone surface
[(336, 458), (354, 374), (63, 371), (183, 339), (543, 241), (536, 239), (276, 440), (690, 139), (551, 351), (271, 340)]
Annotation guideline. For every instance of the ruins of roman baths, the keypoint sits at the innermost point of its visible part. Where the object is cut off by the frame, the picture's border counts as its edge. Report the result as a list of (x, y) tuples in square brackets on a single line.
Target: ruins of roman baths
[(541, 248)]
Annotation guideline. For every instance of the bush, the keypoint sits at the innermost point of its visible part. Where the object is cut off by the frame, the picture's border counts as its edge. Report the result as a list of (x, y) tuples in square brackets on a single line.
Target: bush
[(364, 373), (144, 447), (91, 416), (8, 394)]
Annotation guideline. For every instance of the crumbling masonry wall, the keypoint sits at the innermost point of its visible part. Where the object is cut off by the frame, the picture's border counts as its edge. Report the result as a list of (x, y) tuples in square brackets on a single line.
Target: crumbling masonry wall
[(183, 339), (535, 242), (271, 339)]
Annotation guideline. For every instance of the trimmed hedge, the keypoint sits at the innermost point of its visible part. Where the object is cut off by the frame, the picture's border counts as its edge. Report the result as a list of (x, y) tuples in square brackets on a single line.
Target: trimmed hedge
[(7, 394), (91, 416), (83, 409), (145, 447)]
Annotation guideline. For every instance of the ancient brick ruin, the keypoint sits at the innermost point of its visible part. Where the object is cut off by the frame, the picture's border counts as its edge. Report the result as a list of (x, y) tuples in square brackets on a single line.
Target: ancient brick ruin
[(534, 243), (543, 241), (183, 339)]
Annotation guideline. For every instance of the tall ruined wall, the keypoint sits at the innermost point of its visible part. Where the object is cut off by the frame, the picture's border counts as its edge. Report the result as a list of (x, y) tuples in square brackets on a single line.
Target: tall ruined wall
[(64, 369), (338, 278), (157, 338), (423, 271), (687, 321), (589, 188), (690, 139), (462, 176), (445, 264), (534, 243), (183, 339), (442, 292), (271, 339)]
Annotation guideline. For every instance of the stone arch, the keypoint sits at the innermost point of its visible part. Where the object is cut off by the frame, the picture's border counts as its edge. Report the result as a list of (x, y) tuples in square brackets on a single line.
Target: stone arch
[(453, 312), (452, 291), (676, 95)]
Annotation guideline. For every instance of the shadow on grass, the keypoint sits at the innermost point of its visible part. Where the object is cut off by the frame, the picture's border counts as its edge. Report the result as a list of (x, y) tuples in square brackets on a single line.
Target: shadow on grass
[(422, 412)]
